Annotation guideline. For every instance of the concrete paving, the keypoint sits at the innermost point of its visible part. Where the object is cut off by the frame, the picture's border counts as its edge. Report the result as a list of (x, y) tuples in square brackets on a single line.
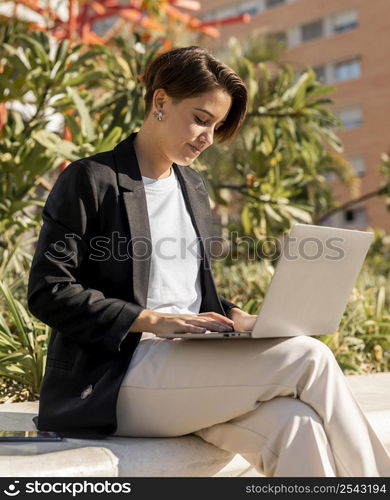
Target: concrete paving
[(154, 457)]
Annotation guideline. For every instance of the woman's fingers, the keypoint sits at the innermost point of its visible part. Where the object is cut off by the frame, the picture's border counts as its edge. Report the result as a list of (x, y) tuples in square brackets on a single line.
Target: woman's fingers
[(193, 323), (218, 317), (212, 325), (188, 328)]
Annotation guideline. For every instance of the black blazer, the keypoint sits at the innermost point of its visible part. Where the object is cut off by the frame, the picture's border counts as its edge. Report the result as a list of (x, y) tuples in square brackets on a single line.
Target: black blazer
[(88, 282)]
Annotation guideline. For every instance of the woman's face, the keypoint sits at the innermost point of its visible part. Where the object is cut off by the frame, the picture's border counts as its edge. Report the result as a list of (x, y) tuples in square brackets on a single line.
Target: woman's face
[(187, 128)]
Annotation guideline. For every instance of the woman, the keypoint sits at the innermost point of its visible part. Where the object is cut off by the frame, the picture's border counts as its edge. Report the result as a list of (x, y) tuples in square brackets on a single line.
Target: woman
[(124, 254)]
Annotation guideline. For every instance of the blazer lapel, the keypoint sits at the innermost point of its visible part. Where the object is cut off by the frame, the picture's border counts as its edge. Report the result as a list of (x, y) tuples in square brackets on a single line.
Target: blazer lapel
[(196, 198), (133, 194)]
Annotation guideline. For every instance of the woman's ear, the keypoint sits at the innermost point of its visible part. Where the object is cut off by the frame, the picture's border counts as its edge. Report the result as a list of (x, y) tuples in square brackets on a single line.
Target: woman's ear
[(159, 99)]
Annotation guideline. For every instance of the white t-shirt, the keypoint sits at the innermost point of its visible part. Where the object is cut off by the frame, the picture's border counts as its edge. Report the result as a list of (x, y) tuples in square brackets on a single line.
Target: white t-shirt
[(174, 279)]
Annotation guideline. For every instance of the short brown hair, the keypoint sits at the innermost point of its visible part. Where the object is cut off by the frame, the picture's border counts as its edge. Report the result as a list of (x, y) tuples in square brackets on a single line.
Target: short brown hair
[(191, 71)]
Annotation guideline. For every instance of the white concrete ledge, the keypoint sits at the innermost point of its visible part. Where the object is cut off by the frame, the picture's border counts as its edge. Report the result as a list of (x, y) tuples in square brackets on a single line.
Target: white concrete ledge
[(91, 462), (136, 457), (153, 457)]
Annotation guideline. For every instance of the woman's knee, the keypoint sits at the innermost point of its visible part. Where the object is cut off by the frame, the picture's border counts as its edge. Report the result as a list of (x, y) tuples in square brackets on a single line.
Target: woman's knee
[(312, 349)]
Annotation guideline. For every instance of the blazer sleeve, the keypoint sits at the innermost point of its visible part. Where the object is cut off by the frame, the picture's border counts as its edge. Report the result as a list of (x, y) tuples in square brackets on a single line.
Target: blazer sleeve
[(226, 304), (56, 294)]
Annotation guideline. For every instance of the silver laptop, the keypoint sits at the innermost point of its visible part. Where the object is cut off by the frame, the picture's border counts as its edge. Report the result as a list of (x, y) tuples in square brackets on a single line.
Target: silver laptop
[(311, 285)]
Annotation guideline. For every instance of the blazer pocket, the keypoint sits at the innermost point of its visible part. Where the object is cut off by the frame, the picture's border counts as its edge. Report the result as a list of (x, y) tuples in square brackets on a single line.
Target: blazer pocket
[(58, 363)]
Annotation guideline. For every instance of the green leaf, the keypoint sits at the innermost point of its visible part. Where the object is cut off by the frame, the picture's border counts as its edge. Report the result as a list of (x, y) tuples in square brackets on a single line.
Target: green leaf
[(12, 305), (54, 143), (272, 214), (246, 219), (299, 214), (109, 140), (36, 49), (85, 77), (86, 121)]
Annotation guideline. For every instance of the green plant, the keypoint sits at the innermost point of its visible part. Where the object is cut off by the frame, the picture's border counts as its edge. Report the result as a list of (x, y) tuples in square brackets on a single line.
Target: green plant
[(23, 344), (95, 95)]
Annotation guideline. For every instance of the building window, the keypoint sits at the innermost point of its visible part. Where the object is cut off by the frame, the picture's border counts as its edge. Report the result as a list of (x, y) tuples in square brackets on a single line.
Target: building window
[(350, 117), (346, 70), (227, 12), (320, 73), (351, 217), (311, 31), (207, 17), (330, 176), (249, 10), (355, 217), (280, 36), (223, 13), (251, 7), (358, 164), (345, 21), (273, 3)]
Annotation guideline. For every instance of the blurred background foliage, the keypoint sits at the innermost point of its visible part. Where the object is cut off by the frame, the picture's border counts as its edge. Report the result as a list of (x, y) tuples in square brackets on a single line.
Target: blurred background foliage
[(62, 100)]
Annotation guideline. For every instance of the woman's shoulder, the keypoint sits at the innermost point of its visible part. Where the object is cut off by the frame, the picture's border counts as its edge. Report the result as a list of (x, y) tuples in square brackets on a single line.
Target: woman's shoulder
[(98, 169), (101, 166)]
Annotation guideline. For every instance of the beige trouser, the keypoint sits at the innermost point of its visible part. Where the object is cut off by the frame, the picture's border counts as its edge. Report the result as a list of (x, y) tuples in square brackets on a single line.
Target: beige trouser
[(282, 403)]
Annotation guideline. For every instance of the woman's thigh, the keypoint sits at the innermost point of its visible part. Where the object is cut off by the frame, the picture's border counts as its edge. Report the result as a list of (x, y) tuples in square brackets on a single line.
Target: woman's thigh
[(173, 388)]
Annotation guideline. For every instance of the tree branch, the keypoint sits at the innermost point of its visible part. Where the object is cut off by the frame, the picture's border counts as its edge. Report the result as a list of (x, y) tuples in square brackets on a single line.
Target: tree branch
[(364, 197)]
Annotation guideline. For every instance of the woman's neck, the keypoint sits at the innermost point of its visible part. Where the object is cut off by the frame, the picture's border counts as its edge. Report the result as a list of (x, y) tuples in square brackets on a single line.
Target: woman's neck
[(150, 160)]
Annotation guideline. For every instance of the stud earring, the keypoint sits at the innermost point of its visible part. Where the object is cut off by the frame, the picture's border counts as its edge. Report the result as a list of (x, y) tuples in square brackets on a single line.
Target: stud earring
[(158, 115)]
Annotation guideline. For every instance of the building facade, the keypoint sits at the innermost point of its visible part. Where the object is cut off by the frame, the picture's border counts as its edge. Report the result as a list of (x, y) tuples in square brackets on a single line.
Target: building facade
[(347, 43)]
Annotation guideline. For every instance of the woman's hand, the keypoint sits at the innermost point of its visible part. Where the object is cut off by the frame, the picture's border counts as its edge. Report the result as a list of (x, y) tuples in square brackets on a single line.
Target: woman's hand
[(157, 322), (242, 321)]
